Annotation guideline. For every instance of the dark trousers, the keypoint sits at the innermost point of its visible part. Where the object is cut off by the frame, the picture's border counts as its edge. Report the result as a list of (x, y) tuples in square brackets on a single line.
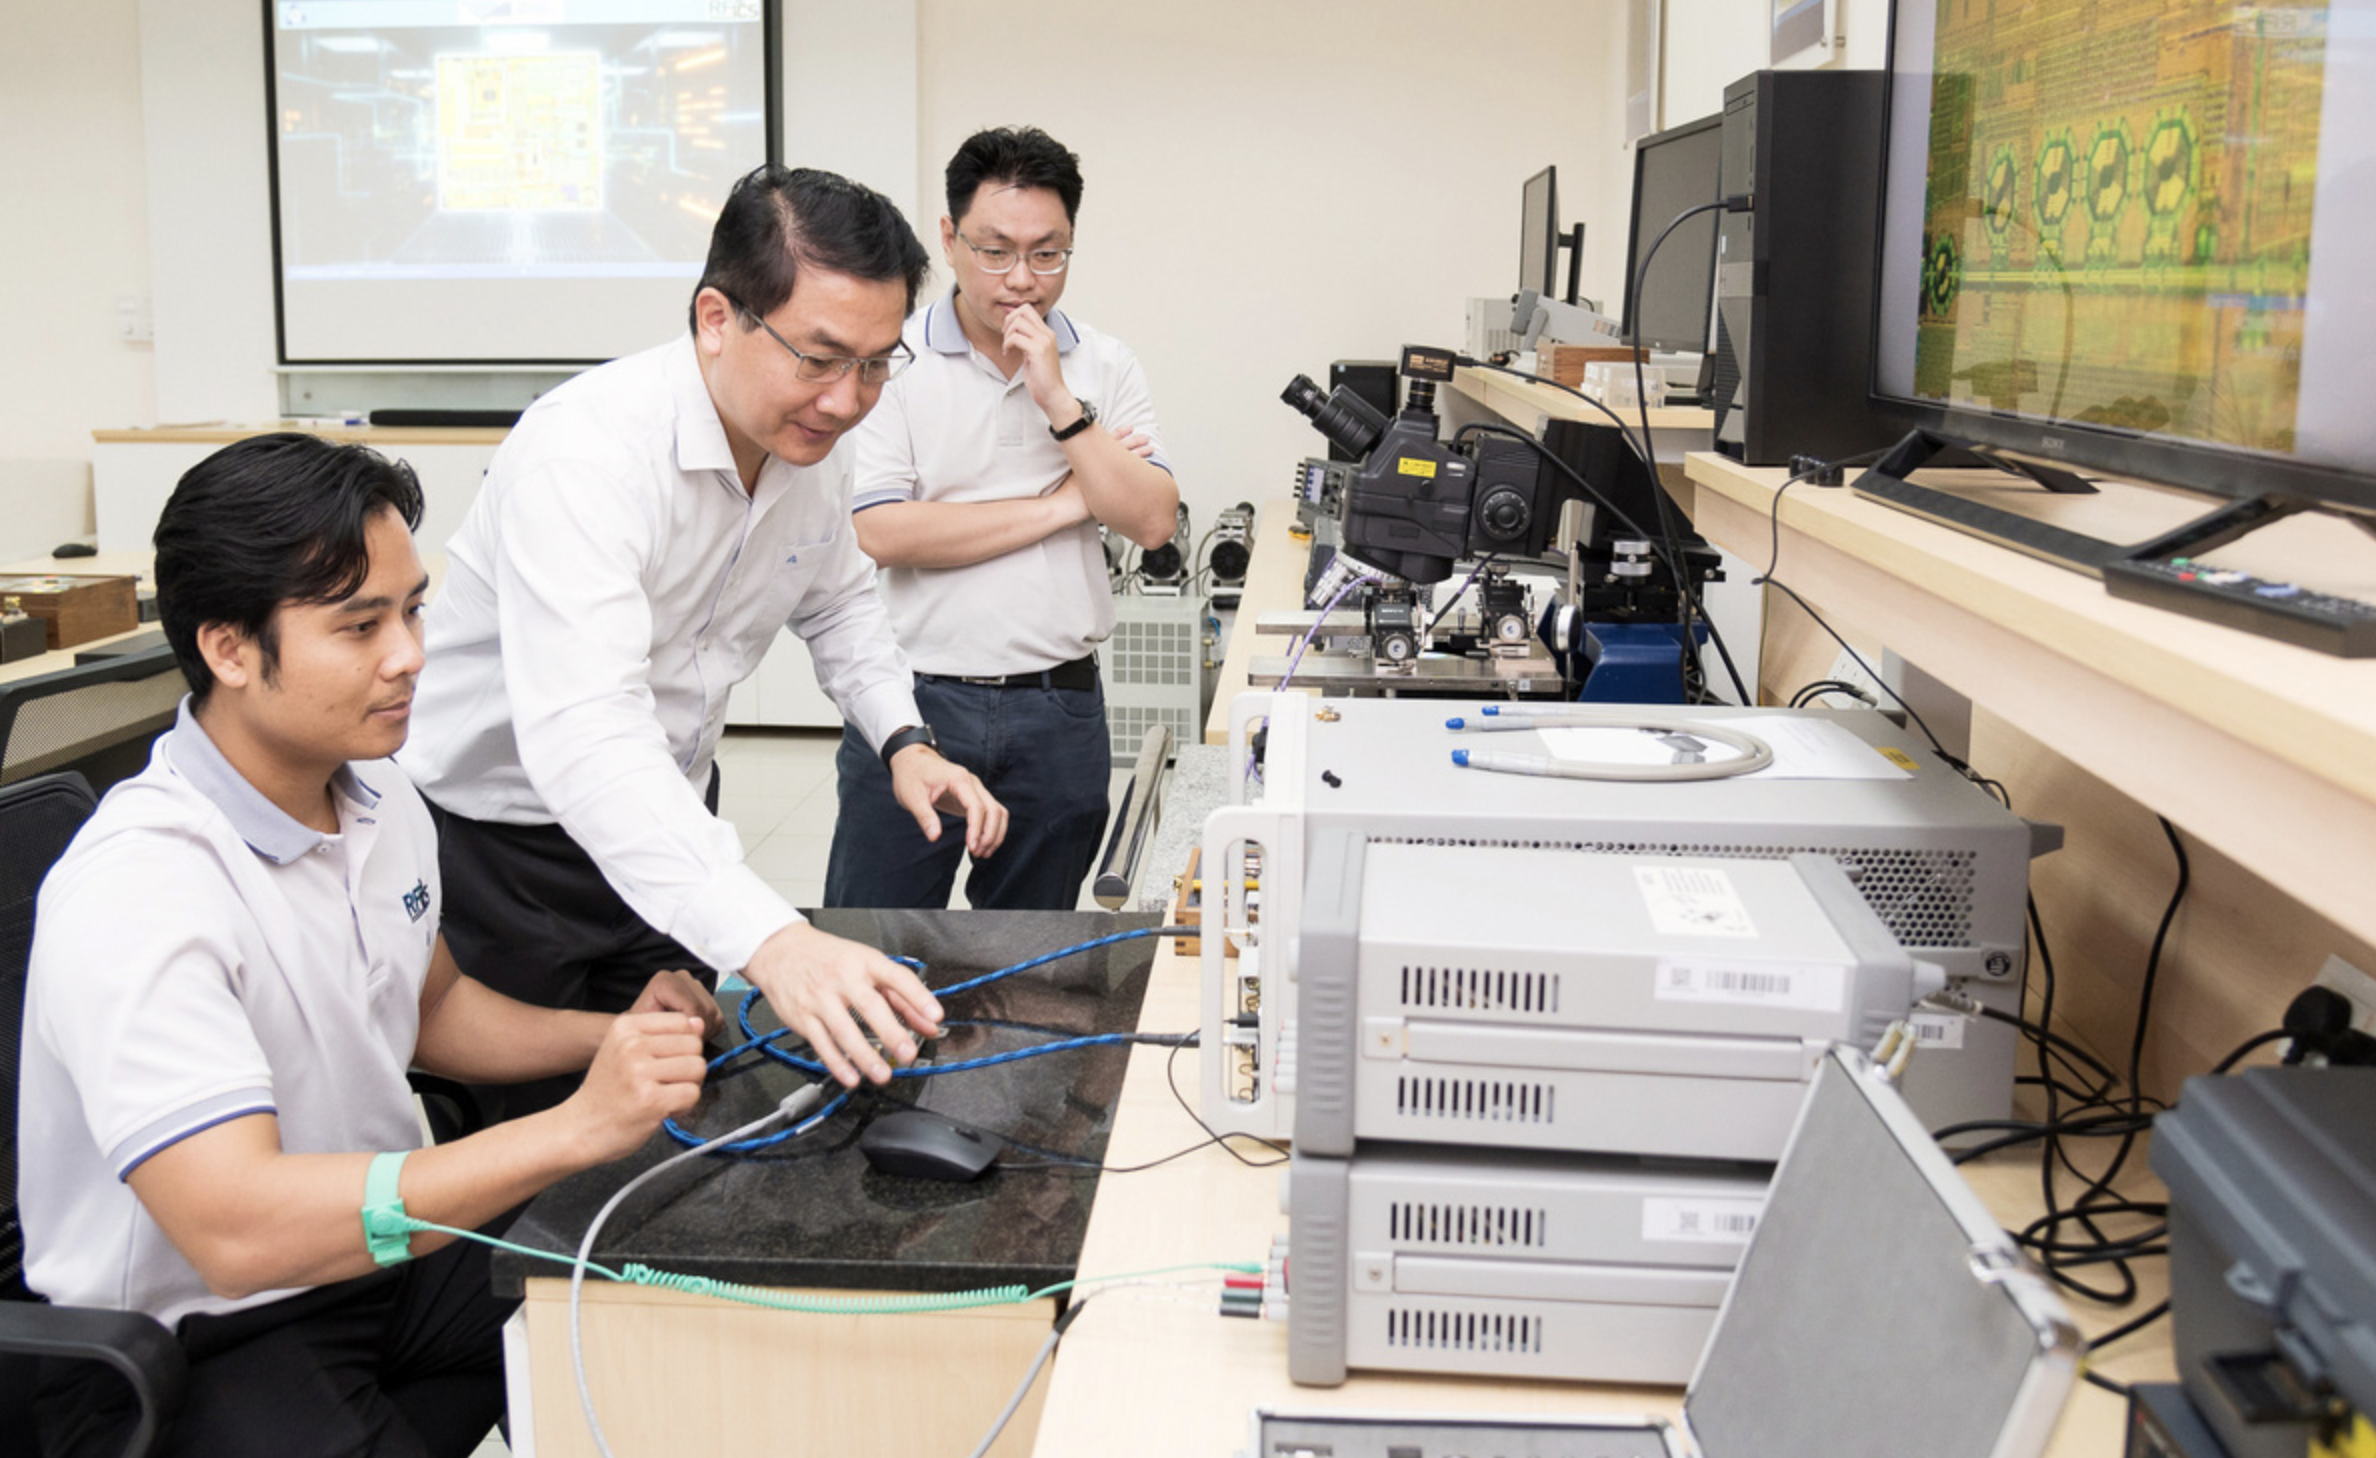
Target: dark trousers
[(1042, 751), (405, 1363), (528, 913)]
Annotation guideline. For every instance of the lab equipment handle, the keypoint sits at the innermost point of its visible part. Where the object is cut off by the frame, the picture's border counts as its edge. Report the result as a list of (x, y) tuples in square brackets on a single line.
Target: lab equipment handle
[(1118, 868)]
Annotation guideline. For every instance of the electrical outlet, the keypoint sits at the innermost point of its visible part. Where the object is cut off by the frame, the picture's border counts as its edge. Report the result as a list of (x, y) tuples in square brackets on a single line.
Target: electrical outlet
[(2355, 985), (1847, 670), (133, 324)]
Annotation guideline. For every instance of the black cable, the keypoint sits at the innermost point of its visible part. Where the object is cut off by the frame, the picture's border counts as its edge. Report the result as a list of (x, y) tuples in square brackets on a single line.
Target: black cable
[(2096, 1197), (1640, 448), (2257, 1040), (1807, 695), (1633, 311), (2102, 1183), (1689, 648), (2068, 1048), (1666, 538), (2161, 935), (1476, 572), (2113, 1127), (2132, 1326), (1774, 507), (1899, 699), (1171, 1077), (2068, 1091), (1489, 427)]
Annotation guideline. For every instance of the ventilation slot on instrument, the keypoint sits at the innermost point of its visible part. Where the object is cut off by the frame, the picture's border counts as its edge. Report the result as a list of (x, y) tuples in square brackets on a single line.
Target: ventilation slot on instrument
[(1414, 1222), (1476, 1100), (1463, 1331), (1480, 989)]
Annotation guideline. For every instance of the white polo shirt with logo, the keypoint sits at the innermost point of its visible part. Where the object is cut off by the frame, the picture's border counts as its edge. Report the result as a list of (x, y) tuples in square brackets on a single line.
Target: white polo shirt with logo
[(952, 427), (198, 957)]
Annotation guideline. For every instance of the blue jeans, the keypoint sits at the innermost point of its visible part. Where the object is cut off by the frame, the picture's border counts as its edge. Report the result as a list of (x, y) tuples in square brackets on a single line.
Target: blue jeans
[(1042, 751)]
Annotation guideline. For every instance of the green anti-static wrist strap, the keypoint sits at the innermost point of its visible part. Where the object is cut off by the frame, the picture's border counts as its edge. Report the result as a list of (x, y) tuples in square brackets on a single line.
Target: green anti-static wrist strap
[(385, 1234)]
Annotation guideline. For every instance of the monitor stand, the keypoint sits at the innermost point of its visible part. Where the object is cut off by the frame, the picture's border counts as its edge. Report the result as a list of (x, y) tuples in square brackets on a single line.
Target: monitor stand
[(1887, 482)]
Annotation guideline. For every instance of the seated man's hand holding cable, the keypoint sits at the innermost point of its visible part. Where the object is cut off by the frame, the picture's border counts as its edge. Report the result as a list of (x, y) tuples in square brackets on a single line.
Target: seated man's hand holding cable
[(680, 992), (649, 1068)]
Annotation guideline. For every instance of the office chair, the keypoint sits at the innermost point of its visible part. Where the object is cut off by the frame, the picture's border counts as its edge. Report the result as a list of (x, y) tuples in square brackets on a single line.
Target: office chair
[(38, 817), (96, 718)]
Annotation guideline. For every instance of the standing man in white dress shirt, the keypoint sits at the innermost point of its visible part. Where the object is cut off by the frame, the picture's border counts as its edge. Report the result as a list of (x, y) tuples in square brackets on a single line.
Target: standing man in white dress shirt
[(982, 481), (641, 536)]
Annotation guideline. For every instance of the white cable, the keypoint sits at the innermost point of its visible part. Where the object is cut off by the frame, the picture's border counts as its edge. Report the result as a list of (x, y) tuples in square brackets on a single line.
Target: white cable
[(793, 1106), (1056, 1334), (1047, 1349), (1754, 753)]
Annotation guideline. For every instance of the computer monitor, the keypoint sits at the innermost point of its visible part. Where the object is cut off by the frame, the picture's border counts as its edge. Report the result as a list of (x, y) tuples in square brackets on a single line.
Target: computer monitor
[(2135, 241), (1674, 171), (1538, 234), (1540, 239)]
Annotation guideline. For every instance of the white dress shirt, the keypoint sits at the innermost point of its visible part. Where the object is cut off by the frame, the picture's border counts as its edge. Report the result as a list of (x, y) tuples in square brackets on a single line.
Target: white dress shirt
[(954, 427), (612, 582), (200, 957)]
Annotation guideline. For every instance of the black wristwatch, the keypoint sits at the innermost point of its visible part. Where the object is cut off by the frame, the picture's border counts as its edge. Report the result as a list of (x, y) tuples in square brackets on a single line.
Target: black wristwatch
[(917, 734), (1088, 418)]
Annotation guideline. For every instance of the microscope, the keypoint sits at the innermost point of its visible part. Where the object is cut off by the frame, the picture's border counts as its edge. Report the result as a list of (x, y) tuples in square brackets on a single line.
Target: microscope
[(1409, 506)]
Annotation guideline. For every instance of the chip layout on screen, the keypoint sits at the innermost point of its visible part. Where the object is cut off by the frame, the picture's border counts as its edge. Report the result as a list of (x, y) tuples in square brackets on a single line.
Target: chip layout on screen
[(2117, 223), (519, 132)]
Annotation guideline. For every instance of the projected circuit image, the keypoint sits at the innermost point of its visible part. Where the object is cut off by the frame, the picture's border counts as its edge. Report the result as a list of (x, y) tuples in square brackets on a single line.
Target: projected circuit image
[(429, 151)]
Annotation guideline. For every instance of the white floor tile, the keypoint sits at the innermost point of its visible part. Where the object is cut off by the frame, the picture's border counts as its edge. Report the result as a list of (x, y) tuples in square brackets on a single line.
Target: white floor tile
[(790, 857)]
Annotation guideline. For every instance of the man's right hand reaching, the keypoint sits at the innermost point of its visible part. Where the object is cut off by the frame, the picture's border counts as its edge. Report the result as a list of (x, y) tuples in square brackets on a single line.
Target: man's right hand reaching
[(824, 986)]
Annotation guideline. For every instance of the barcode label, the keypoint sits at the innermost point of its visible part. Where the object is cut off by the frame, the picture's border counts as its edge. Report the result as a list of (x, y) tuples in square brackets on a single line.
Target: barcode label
[(1704, 1221), (1808, 988), (1937, 1030), (1693, 901)]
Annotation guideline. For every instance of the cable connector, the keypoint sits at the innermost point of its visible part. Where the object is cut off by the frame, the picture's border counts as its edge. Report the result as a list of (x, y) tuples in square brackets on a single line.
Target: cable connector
[(1741, 202), (1954, 1000), (1817, 471)]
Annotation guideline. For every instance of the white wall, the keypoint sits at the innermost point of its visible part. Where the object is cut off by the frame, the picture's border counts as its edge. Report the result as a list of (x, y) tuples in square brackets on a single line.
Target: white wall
[(850, 103), (1270, 187), (76, 238), (1712, 43), (209, 194), (1274, 186)]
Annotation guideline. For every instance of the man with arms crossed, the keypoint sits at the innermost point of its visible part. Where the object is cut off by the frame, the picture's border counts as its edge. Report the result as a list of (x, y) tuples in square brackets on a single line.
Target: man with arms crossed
[(641, 537), (232, 968), (982, 480)]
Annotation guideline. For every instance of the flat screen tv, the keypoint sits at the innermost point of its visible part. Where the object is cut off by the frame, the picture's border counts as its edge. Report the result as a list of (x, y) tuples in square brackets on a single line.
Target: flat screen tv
[(2131, 236)]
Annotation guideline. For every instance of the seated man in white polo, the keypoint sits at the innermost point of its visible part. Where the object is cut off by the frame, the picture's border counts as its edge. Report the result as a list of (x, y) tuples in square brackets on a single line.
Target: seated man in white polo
[(234, 965)]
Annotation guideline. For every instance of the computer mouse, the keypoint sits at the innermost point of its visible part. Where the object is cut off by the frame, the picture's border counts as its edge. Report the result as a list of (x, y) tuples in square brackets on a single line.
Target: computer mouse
[(74, 549), (927, 1147)]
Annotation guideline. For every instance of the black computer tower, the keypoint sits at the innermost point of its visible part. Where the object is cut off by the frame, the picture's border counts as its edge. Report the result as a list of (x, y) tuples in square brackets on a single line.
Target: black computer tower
[(1795, 274)]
